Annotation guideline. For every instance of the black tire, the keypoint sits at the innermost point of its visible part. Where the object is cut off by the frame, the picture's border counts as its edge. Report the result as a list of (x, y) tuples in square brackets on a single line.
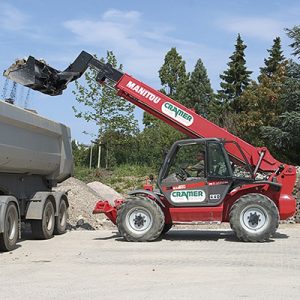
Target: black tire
[(9, 237), (254, 218), (140, 219), (166, 228), (43, 229), (61, 219)]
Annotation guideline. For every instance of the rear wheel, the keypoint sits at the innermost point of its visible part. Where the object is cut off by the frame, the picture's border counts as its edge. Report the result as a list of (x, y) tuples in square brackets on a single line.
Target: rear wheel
[(61, 219), (43, 229), (254, 218), (140, 219), (9, 237)]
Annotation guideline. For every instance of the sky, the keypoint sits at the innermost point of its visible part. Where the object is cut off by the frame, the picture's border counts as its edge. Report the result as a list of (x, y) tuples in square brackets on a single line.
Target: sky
[(139, 33)]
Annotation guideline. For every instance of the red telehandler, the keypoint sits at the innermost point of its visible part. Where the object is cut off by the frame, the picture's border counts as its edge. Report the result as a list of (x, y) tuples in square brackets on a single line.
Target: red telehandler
[(239, 183)]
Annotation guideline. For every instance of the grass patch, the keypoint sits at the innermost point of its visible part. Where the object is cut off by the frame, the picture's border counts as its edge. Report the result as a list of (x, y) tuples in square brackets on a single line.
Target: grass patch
[(123, 178)]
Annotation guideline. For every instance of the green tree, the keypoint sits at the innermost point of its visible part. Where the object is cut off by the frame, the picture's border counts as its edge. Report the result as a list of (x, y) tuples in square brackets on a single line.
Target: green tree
[(274, 61), (234, 81), (80, 154), (199, 93), (173, 75), (294, 34), (101, 105), (285, 134), (236, 78), (259, 106), (157, 135)]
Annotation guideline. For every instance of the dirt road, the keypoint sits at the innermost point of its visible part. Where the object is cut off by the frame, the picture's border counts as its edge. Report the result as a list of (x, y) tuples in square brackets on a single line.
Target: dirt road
[(186, 264)]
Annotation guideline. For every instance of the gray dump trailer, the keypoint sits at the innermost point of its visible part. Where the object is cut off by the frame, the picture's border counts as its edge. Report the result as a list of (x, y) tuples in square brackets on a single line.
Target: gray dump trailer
[(35, 155)]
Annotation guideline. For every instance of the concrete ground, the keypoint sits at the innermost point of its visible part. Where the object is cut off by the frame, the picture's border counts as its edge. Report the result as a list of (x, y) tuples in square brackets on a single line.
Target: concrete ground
[(186, 264)]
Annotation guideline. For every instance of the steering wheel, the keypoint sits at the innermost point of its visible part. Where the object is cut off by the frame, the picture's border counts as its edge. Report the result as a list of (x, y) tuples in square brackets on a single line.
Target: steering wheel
[(182, 174)]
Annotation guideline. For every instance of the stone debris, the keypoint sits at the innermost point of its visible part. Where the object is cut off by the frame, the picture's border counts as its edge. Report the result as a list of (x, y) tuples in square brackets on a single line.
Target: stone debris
[(82, 200), (104, 192)]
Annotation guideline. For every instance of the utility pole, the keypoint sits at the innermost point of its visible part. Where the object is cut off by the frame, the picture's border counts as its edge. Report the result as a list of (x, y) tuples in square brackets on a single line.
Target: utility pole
[(91, 155), (99, 156)]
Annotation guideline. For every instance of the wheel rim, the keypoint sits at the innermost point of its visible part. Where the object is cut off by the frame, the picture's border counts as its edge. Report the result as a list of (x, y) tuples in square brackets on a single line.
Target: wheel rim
[(254, 219), (11, 225), (139, 220), (49, 217)]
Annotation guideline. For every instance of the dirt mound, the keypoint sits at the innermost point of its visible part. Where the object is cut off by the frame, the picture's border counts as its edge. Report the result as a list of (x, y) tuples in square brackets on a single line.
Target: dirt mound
[(82, 200)]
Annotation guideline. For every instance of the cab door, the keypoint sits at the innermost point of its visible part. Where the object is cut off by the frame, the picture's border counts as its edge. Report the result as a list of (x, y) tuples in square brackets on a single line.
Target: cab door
[(219, 173), (183, 185)]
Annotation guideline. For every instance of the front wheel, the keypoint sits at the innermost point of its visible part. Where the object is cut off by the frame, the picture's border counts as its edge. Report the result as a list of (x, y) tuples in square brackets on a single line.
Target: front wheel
[(9, 237), (43, 229), (140, 219), (254, 218)]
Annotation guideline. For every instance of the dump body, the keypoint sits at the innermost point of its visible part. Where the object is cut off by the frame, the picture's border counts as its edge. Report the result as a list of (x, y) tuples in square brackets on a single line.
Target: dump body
[(31, 144)]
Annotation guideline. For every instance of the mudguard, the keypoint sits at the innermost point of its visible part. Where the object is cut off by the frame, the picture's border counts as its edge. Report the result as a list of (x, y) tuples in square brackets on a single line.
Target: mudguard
[(148, 193)]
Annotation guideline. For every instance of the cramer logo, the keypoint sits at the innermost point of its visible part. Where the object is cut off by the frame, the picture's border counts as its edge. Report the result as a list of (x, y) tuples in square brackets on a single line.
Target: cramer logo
[(188, 196), (177, 114)]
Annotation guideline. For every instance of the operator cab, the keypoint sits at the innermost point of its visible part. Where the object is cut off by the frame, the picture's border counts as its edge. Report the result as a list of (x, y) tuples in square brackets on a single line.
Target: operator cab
[(199, 172)]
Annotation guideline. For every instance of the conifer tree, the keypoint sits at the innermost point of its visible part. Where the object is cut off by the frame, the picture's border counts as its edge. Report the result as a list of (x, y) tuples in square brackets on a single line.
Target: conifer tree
[(294, 34), (174, 79), (236, 78), (173, 75), (285, 134), (199, 93), (274, 60)]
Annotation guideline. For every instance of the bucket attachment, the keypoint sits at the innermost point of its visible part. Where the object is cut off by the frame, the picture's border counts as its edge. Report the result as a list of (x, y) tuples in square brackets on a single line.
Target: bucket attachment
[(39, 76)]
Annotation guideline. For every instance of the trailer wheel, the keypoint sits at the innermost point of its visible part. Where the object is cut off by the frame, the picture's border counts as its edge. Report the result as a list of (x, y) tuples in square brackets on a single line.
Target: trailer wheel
[(140, 219), (254, 218), (61, 219), (9, 237), (43, 229)]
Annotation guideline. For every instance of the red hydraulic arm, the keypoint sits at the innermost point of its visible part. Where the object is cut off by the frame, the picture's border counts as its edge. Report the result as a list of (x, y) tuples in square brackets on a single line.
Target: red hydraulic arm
[(195, 126)]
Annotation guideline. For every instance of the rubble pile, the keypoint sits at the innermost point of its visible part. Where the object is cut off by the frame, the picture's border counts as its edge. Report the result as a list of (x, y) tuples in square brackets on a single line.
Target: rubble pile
[(82, 200)]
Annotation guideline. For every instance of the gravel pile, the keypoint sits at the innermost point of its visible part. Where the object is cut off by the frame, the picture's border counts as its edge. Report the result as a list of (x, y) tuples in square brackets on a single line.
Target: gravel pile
[(82, 200)]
